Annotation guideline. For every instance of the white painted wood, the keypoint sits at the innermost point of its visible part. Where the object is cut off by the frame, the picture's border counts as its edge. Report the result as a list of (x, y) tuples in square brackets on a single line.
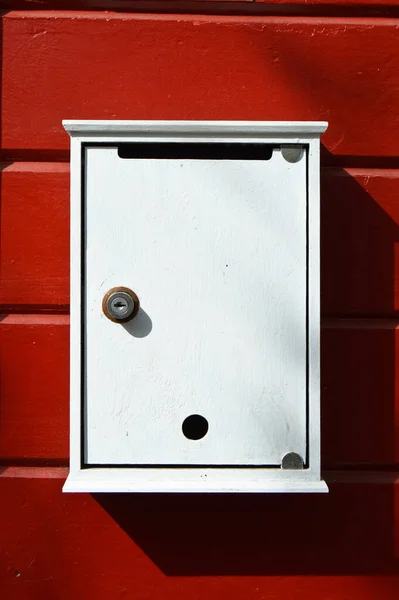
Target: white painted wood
[(227, 342), (216, 251), (192, 480), (75, 303), (190, 129), (314, 303)]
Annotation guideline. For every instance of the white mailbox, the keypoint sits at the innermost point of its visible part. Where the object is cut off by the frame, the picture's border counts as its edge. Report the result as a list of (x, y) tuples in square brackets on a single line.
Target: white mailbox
[(195, 306)]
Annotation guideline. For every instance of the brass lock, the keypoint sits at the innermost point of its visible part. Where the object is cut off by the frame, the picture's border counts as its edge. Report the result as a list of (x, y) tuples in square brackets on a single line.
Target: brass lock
[(120, 305)]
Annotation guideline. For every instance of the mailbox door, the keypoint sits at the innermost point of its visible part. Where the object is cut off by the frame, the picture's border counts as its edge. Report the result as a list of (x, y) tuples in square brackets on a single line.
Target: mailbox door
[(213, 369)]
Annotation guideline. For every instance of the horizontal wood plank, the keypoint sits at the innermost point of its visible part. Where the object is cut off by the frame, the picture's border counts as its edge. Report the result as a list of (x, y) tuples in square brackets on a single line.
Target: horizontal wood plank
[(167, 5), (193, 5), (97, 65), (34, 387), (360, 391), (208, 546), (359, 239), (360, 242), (34, 234), (347, 8)]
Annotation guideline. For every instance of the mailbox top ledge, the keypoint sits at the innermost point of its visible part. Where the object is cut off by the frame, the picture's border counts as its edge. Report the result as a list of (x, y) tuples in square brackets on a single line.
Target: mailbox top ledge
[(199, 129)]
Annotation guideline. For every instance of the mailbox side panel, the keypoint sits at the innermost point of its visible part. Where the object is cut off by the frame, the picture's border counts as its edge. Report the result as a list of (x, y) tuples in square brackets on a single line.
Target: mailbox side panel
[(313, 324), (77, 331)]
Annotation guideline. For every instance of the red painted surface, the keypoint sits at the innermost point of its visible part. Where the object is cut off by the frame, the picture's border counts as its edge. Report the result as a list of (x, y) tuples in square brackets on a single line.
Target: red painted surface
[(101, 65), (359, 238), (186, 5), (77, 64), (121, 546), (360, 393), (34, 234), (34, 384)]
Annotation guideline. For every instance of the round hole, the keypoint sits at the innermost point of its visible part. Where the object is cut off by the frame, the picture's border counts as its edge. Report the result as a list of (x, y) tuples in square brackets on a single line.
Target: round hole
[(195, 427)]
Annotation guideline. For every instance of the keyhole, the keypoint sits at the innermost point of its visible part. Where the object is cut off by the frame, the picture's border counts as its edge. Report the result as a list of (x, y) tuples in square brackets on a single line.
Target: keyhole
[(120, 304)]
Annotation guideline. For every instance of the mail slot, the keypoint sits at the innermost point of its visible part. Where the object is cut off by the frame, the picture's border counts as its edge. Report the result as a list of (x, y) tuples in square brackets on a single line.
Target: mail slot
[(195, 306)]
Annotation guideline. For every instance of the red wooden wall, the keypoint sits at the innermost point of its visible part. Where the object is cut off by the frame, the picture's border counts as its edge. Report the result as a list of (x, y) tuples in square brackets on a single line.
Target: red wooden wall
[(335, 60)]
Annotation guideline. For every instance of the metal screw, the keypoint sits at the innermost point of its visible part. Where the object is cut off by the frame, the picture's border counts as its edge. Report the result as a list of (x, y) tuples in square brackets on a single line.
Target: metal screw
[(292, 460), (120, 305), (292, 154)]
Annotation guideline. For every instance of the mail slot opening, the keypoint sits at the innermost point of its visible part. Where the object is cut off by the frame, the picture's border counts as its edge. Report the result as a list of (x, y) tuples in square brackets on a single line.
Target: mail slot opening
[(217, 151)]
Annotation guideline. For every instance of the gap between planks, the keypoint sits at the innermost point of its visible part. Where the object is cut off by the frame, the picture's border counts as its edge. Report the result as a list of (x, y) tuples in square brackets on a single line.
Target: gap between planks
[(351, 13), (368, 322)]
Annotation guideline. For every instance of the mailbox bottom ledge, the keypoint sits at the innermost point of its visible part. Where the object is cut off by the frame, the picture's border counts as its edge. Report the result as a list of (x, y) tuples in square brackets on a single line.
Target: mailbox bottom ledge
[(163, 481)]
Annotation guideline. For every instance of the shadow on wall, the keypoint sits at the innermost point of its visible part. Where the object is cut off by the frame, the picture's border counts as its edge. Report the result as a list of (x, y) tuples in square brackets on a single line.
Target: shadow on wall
[(349, 531), (359, 232)]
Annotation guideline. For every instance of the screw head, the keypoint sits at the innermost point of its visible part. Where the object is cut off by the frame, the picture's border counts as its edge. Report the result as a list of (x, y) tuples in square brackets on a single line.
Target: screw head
[(120, 305), (292, 154), (292, 460)]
